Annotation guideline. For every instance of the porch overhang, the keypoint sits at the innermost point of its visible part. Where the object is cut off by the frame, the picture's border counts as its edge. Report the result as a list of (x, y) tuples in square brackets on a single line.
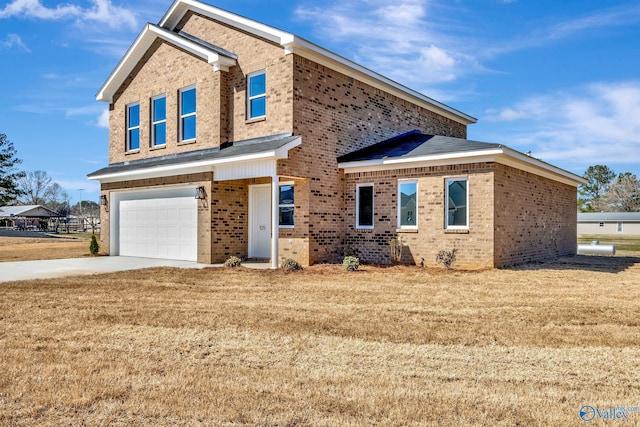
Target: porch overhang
[(245, 159)]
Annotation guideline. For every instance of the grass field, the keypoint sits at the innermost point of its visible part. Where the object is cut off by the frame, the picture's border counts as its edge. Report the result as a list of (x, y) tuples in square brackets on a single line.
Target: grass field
[(29, 249), (321, 347), (623, 244)]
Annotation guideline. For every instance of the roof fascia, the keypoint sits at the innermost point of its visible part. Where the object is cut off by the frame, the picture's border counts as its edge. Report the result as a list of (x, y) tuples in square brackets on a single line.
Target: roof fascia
[(197, 166), (140, 46), (180, 7), (502, 155)]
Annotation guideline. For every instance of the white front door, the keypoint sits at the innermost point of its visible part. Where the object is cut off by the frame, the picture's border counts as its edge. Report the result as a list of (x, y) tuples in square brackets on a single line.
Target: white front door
[(260, 221)]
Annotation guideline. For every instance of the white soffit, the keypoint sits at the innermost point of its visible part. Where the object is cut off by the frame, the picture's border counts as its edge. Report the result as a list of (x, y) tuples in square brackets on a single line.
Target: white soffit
[(504, 155), (294, 44)]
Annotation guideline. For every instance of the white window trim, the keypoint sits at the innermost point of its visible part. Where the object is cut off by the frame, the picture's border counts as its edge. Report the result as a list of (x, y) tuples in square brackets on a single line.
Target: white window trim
[(291, 205), (399, 199), (184, 116), (262, 95), (373, 196), (154, 123), (130, 128), (446, 205)]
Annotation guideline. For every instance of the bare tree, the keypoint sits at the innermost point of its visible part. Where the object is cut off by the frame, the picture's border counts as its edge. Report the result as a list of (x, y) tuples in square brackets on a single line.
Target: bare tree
[(623, 194), (34, 187)]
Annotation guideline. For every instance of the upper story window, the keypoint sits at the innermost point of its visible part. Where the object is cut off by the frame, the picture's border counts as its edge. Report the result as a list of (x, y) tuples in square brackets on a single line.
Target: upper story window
[(456, 202), (364, 206), (133, 127), (408, 204), (188, 114), (286, 206), (158, 121), (257, 95)]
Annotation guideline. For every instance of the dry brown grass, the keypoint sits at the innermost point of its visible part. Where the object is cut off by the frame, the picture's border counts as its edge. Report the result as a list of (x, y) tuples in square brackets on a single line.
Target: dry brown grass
[(29, 249), (394, 346)]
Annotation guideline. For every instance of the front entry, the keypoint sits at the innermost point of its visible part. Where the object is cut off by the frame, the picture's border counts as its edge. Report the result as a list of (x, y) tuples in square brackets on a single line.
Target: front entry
[(260, 221)]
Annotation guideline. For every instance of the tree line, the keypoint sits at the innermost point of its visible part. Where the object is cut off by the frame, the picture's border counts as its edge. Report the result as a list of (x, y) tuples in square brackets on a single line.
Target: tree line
[(606, 191), (36, 187)]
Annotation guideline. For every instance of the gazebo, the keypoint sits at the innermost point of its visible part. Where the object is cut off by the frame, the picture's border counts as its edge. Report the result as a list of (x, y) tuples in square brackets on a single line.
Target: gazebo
[(23, 217)]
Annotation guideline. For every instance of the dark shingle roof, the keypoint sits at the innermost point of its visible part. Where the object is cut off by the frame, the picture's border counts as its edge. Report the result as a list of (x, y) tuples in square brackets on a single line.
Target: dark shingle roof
[(415, 144)]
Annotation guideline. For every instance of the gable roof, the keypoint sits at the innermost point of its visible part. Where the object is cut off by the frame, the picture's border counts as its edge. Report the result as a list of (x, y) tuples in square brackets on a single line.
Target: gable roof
[(34, 211), (415, 149), (291, 43), (220, 58)]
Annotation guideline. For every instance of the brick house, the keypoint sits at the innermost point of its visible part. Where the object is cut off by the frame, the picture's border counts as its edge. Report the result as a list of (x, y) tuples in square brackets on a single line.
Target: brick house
[(225, 132)]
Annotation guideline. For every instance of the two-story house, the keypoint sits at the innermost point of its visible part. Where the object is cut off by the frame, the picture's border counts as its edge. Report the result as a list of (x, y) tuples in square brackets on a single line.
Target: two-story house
[(230, 137)]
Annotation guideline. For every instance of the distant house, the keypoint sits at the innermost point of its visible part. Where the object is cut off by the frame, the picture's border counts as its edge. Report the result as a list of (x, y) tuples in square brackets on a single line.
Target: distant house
[(228, 137), (608, 223)]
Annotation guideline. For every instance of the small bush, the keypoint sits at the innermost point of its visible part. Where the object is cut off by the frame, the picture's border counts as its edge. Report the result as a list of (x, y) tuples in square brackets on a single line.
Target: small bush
[(94, 247), (447, 258), (290, 265), (351, 263), (233, 261)]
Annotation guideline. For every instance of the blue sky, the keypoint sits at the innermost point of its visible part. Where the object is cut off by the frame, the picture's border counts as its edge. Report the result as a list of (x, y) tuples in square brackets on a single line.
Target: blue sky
[(558, 78)]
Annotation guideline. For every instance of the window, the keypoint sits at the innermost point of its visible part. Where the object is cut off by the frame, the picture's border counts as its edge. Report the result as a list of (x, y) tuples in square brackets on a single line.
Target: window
[(407, 204), (601, 224), (457, 200), (188, 114), (133, 127), (158, 121), (285, 206), (619, 227), (364, 206), (257, 96)]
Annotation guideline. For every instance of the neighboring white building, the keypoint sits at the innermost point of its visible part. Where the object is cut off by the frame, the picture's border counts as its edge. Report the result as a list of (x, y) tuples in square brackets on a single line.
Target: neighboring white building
[(595, 223)]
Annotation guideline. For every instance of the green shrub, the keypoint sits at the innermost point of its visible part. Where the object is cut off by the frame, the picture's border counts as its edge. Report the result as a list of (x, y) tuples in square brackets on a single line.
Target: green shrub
[(447, 258), (94, 247), (351, 263), (233, 261), (290, 265)]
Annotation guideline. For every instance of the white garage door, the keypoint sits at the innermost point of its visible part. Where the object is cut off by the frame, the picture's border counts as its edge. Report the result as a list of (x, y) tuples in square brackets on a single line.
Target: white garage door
[(159, 227)]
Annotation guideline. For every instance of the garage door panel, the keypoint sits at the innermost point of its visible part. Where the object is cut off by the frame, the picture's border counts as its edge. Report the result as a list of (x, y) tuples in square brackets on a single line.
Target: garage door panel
[(159, 228)]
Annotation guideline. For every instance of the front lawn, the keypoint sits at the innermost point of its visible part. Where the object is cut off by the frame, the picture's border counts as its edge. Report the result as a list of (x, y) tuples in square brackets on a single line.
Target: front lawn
[(321, 347)]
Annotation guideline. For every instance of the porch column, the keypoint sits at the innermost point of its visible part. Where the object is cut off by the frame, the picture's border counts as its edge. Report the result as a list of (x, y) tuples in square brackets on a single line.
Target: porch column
[(275, 223)]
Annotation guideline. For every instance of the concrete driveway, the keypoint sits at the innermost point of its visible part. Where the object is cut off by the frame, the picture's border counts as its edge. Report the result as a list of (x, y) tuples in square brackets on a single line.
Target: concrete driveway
[(46, 269)]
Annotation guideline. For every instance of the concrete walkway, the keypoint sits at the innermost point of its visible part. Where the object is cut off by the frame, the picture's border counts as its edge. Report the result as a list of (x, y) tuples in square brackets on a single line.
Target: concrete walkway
[(47, 269)]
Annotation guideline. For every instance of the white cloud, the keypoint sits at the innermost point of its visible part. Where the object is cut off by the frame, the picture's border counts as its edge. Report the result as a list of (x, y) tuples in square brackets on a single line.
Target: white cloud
[(404, 40), (102, 11), (103, 120), (596, 123), (13, 40)]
